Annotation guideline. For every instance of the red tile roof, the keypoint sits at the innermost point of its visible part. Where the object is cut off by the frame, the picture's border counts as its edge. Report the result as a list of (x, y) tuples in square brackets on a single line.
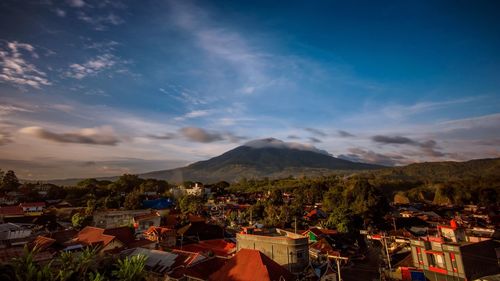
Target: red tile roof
[(204, 269), (32, 204), (124, 234), (323, 247), (63, 236), (94, 236), (219, 247), (42, 242), (11, 211), (146, 216), (250, 265)]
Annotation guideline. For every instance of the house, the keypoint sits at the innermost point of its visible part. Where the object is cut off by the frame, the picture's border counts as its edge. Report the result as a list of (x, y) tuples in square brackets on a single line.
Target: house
[(112, 219), (33, 208), (286, 248), (96, 237), (450, 257), (162, 265), (144, 221), (216, 247), (198, 231), (202, 270), (11, 211), (195, 190), (13, 235), (315, 233), (315, 214), (251, 265), (165, 237)]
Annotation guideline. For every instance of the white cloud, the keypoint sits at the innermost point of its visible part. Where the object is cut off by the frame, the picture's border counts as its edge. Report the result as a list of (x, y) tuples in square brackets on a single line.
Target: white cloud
[(76, 3), (61, 13), (101, 22), (91, 67), (275, 143), (194, 114), (15, 69), (104, 135), (224, 45)]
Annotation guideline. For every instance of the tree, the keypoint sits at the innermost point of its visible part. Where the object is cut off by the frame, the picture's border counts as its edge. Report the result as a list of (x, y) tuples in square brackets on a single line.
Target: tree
[(130, 269), (190, 204), (276, 197), (128, 182), (341, 218), (10, 181), (79, 220), (133, 200)]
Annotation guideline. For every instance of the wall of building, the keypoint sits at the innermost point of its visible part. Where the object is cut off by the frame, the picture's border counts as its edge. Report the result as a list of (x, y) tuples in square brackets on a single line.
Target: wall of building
[(291, 253)]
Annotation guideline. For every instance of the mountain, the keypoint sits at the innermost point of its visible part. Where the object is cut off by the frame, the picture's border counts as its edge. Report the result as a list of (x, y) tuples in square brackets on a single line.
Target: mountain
[(477, 169), (261, 158)]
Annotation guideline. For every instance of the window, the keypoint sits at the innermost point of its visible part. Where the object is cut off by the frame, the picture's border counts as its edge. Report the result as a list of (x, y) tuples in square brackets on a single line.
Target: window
[(454, 264)]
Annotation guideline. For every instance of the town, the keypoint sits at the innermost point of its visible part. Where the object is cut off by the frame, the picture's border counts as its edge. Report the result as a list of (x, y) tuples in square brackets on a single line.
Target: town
[(146, 229)]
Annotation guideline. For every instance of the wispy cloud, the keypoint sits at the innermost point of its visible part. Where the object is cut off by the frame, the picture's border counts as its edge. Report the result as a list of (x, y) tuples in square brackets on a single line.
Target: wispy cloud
[(369, 156), (196, 134), (316, 132), (223, 45), (76, 3), (166, 136), (91, 67), (200, 135), (345, 134), (194, 114), (99, 136), (399, 111), (15, 69), (101, 22), (428, 147)]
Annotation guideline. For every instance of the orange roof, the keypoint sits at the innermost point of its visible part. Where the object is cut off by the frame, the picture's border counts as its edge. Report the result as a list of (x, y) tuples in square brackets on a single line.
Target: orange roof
[(250, 265), (124, 234), (32, 204), (219, 247), (94, 236), (204, 269), (42, 242), (193, 218), (146, 216)]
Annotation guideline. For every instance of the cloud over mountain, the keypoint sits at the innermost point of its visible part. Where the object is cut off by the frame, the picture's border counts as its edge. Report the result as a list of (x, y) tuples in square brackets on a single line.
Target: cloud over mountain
[(98, 136)]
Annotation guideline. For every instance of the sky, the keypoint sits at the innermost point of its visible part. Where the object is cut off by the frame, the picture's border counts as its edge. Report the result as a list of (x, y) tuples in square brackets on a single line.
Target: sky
[(102, 88)]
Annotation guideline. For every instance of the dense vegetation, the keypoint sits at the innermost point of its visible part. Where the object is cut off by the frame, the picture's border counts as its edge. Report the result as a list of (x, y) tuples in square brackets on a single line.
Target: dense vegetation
[(86, 265)]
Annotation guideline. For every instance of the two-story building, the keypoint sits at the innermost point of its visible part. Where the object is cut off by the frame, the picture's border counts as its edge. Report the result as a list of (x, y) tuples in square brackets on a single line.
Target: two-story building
[(450, 257), (286, 248)]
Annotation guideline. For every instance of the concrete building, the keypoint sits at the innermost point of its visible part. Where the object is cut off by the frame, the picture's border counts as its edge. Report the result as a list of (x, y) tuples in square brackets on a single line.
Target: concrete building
[(286, 248), (449, 257), (112, 219)]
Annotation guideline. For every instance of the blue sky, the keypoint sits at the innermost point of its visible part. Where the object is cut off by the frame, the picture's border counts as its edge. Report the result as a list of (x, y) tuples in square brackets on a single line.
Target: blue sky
[(107, 87)]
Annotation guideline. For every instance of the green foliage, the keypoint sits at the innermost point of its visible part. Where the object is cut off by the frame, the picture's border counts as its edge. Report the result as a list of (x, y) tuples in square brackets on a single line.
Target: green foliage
[(342, 219), (133, 200), (190, 204), (127, 183), (130, 269), (10, 181), (79, 220)]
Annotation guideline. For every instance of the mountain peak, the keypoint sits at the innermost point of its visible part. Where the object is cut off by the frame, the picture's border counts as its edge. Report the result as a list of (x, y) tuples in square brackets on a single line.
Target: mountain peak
[(276, 143)]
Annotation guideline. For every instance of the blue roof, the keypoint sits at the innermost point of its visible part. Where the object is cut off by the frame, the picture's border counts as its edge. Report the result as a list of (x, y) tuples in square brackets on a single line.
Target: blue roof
[(160, 203)]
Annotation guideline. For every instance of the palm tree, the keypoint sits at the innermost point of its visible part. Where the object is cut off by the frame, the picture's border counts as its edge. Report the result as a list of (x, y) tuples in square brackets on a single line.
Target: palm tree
[(130, 269)]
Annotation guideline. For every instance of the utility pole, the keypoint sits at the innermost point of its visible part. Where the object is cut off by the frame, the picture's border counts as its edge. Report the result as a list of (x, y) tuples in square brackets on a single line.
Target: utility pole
[(295, 224), (337, 260), (387, 252)]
